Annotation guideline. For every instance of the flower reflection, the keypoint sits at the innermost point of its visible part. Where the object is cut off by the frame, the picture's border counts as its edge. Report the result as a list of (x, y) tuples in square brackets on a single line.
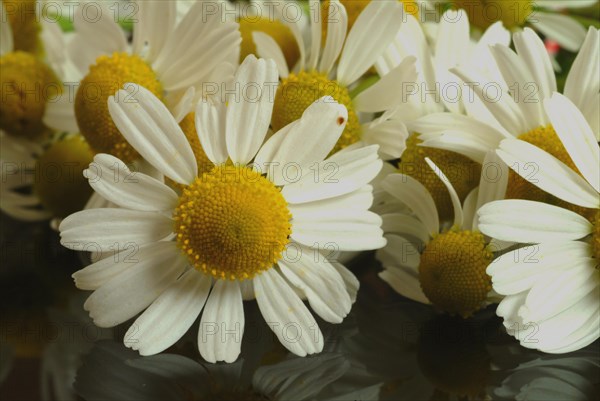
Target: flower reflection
[(112, 371)]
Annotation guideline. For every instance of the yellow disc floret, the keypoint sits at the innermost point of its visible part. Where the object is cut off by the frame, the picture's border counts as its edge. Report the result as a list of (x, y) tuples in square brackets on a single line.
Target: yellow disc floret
[(596, 238), (462, 172), (59, 181), (27, 85), (274, 28), (483, 13), (354, 8), (297, 92), (232, 223), (104, 79), (23, 20), (452, 271), (545, 138)]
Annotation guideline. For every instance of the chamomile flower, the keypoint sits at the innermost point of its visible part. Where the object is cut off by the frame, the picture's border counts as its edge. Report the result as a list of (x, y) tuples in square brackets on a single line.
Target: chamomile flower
[(233, 229), (312, 78), (519, 110), (168, 57), (540, 15), (436, 90), (433, 264), (551, 295), (27, 82)]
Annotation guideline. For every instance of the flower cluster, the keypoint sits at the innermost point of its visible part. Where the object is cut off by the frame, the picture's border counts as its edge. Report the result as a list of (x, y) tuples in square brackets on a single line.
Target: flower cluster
[(209, 153)]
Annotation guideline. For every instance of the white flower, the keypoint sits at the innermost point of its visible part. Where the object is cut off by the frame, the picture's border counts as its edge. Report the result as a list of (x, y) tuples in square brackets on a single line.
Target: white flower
[(436, 88), (373, 31), (530, 79), (169, 57), (432, 264), (552, 289), (233, 229)]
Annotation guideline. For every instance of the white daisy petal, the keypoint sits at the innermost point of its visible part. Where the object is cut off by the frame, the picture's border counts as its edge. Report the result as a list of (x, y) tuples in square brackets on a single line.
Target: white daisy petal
[(346, 230), (247, 289), (210, 126), (112, 263), (344, 172), (136, 288), (320, 281), (248, 118), (389, 133), (521, 269), (405, 225), (170, 316), (6, 37), (150, 128), (547, 172), (350, 281), (374, 30), (222, 323), (531, 222), (456, 206), (569, 33), (325, 120), (60, 114), (105, 229), (286, 315), (400, 252), (561, 4), (412, 193), (532, 50), (267, 47), (103, 34), (583, 83), (155, 21), (577, 137), (185, 104), (315, 35), (492, 184), (386, 94), (552, 295), (404, 283), (199, 32), (516, 72), (337, 27), (113, 180)]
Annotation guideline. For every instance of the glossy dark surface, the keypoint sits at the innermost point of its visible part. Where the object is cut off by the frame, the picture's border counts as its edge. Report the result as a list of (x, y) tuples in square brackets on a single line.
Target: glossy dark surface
[(388, 348)]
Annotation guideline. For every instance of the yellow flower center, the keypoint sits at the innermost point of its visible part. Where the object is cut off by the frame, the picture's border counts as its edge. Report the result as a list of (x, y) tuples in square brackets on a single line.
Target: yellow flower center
[(297, 92), (452, 271), (276, 29), (483, 13), (27, 84), (23, 20), (596, 238), (59, 181), (518, 187), (462, 172), (108, 75), (232, 223), (188, 126), (354, 8)]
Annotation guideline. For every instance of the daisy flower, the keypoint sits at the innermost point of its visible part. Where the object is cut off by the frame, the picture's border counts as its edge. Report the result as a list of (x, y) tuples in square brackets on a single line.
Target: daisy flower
[(373, 31), (42, 171), (168, 57), (433, 264), (541, 15), (233, 229), (436, 90), (519, 111), (551, 293)]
